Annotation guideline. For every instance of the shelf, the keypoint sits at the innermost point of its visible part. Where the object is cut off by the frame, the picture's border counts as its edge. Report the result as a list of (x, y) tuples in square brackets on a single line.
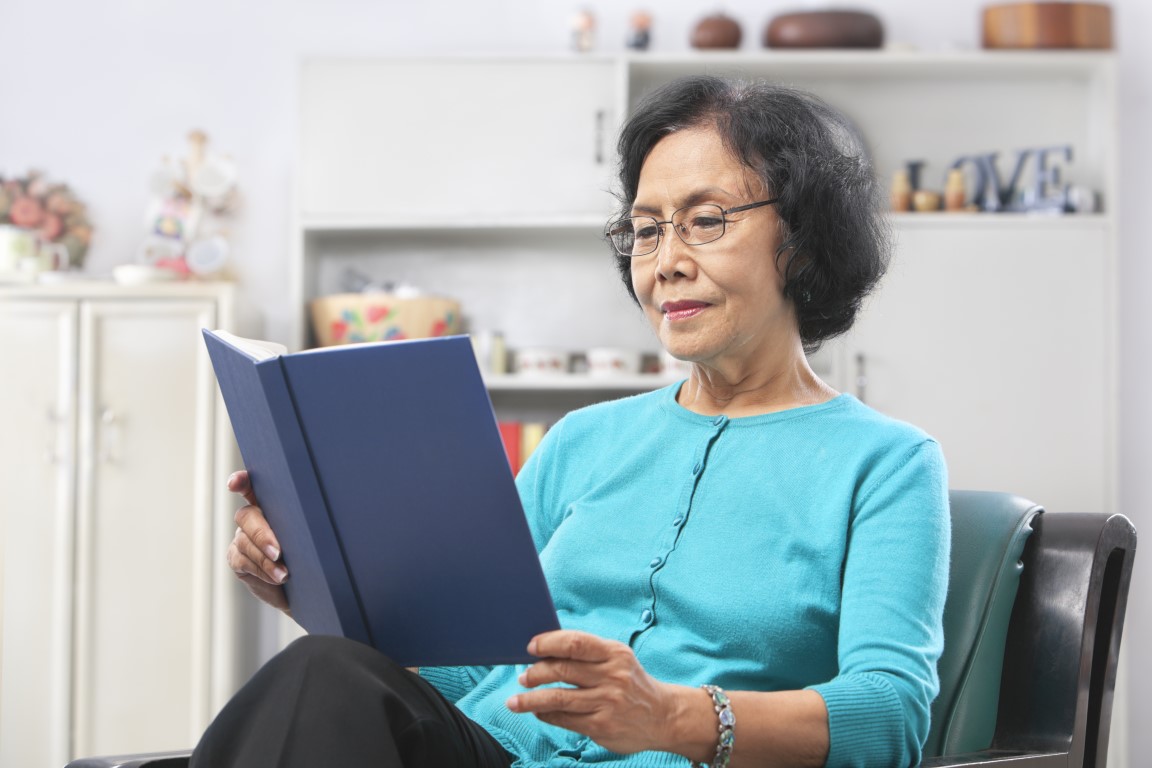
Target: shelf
[(576, 382), (888, 63), (374, 223), (1078, 221)]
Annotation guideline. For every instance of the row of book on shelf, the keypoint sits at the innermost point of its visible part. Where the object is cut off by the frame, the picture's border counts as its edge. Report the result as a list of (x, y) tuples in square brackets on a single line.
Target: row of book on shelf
[(520, 439)]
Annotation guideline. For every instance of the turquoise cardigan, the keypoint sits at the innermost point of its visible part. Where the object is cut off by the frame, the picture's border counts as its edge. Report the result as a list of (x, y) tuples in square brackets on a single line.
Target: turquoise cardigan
[(800, 549)]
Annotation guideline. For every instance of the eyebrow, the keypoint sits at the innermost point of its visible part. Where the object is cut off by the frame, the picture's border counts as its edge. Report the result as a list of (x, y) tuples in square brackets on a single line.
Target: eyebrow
[(708, 194)]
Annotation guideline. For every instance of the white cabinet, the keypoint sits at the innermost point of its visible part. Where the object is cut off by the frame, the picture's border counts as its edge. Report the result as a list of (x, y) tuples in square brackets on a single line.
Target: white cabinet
[(116, 602), (437, 141), (995, 332), (997, 339)]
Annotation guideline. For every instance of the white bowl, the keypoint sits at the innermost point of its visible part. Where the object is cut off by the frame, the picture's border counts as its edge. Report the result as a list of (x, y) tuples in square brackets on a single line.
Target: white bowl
[(541, 362), (613, 361)]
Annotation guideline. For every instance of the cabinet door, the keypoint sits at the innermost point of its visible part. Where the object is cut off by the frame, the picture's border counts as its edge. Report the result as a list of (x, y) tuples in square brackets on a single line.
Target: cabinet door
[(144, 540), (37, 461), (994, 339), (432, 141)]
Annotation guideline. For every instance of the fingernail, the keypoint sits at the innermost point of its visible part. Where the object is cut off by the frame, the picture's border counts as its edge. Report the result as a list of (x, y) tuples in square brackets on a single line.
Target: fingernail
[(272, 552), (523, 679), (532, 646), (279, 574), (513, 704)]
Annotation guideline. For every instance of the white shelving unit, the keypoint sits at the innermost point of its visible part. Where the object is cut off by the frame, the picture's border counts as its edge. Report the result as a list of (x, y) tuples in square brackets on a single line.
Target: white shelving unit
[(991, 329)]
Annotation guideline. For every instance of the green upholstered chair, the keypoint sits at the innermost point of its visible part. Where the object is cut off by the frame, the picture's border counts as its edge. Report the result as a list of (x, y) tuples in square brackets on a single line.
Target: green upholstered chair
[(1031, 630)]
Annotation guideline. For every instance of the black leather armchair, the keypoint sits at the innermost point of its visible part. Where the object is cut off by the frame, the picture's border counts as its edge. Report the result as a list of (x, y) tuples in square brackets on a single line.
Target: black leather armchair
[(1032, 633)]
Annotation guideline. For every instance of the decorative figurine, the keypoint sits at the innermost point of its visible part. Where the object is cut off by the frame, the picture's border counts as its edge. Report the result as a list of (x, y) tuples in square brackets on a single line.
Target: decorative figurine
[(583, 31), (641, 31), (926, 200), (716, 31), (900, 196), (955, 193), (189, 199)]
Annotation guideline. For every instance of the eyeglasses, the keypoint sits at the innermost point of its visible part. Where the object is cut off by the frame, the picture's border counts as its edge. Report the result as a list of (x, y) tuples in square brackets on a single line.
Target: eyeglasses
[(695, 225)]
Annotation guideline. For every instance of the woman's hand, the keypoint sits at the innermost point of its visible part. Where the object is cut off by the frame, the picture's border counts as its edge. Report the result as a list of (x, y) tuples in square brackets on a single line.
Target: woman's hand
[(254, 554), (615, 702)]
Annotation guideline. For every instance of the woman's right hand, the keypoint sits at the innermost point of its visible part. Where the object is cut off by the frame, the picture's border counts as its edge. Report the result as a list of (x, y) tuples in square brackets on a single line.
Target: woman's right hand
[(254, 554)]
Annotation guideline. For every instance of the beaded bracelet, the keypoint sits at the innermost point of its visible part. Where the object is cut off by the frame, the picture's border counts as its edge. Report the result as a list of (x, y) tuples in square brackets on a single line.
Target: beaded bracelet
[(727, 717)]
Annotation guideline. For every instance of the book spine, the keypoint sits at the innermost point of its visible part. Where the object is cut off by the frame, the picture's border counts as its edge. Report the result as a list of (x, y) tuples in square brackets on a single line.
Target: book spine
[(520, 440), (510, 434), (531, 433)]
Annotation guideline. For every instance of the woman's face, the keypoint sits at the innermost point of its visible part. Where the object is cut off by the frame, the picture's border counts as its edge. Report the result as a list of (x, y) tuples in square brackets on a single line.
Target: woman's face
[(721, 303)]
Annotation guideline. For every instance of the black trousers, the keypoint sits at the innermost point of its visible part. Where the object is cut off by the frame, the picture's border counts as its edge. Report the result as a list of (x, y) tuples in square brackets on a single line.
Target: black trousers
[(327, 701)]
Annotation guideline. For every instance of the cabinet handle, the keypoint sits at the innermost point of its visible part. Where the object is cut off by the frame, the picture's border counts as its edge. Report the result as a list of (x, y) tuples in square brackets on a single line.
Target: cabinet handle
[(861, 378), (599, 137), (109, 437)]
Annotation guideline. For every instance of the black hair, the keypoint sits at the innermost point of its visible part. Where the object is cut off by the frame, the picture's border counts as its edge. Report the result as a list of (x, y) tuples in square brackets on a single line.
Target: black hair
[(835, 243)]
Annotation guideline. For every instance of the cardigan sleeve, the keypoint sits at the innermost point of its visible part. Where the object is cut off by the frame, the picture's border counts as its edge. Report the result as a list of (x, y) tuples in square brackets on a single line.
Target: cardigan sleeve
[(891, 626)]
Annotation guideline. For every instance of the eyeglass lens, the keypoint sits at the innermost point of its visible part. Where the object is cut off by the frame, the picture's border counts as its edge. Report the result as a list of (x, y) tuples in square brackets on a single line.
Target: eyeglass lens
[(695, 225)]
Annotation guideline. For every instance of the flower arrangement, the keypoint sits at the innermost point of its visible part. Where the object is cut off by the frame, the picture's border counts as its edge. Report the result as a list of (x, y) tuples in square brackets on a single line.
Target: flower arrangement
[(51, 210)]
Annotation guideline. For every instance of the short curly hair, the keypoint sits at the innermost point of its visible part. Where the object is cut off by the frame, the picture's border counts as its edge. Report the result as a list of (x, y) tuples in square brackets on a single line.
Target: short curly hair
[(836, 241)]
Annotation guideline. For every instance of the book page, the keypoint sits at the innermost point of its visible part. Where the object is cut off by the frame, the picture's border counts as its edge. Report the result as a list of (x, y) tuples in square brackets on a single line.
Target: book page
[(255, 348)]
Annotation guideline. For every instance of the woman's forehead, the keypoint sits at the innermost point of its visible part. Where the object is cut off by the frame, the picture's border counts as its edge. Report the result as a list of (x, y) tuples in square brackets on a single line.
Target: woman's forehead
[(692, 163)]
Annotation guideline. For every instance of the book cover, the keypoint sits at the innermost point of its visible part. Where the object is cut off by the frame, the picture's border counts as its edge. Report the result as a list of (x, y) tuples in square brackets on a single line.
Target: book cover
[(382, 471)]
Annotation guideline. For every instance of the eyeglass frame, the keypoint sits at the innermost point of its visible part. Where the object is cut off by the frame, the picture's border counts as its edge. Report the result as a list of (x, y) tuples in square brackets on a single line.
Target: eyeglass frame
[(660, 225)]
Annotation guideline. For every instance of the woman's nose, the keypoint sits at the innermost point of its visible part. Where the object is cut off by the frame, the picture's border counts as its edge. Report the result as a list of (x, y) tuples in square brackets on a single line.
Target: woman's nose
[(672, 258)]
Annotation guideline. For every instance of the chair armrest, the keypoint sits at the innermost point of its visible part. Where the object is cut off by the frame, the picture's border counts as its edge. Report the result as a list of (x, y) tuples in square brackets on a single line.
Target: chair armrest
[(995, 758), (151, 760)]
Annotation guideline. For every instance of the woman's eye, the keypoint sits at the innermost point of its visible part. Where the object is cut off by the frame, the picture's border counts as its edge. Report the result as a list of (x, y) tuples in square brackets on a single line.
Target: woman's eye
[(647, 233), (707, 223)]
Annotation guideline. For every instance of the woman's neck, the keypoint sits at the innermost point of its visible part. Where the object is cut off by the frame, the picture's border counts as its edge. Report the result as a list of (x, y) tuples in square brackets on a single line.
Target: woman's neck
[(742, 390)]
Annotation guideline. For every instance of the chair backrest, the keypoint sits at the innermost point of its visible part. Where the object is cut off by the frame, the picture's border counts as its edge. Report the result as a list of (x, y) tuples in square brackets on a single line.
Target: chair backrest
[(1064, 639), (989, 532), (1032, 631)]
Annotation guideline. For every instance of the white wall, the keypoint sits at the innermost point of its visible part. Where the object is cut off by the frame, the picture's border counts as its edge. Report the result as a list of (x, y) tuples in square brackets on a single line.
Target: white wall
[(95, 93)]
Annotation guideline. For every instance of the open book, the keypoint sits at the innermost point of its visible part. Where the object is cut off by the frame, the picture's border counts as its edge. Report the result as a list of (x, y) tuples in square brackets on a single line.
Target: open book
[(381, 470)]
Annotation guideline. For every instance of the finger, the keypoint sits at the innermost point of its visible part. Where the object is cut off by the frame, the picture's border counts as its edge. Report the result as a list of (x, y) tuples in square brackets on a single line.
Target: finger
[(268, 593), (245, 557), (571, 644), (250, 519), (553, 700), (579, 673), (239, 482)]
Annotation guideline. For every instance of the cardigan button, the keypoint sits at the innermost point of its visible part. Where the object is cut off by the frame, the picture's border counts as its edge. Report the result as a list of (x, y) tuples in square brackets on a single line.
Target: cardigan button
[(646, 617)]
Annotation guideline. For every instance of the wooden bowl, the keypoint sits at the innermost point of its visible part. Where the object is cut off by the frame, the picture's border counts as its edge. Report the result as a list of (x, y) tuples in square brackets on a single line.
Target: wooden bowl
[(824, 29), (1048, 25), (716, 31)]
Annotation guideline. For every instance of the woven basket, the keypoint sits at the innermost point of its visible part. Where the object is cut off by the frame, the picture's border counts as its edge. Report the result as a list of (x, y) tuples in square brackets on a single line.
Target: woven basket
[(348, 318)]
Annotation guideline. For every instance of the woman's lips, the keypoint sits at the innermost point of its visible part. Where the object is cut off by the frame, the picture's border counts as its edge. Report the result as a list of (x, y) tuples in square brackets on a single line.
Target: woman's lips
[(682, 310)]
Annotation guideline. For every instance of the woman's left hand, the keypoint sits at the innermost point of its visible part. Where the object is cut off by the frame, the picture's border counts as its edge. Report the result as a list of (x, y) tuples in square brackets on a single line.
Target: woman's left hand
[(614, 702)]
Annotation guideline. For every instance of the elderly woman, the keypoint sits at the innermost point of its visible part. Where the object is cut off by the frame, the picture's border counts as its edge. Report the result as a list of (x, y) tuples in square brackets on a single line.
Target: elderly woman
[(749, 567)]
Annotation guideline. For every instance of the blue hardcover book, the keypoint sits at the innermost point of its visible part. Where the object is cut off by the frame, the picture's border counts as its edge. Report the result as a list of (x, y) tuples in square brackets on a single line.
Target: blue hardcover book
[(381, 470)]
